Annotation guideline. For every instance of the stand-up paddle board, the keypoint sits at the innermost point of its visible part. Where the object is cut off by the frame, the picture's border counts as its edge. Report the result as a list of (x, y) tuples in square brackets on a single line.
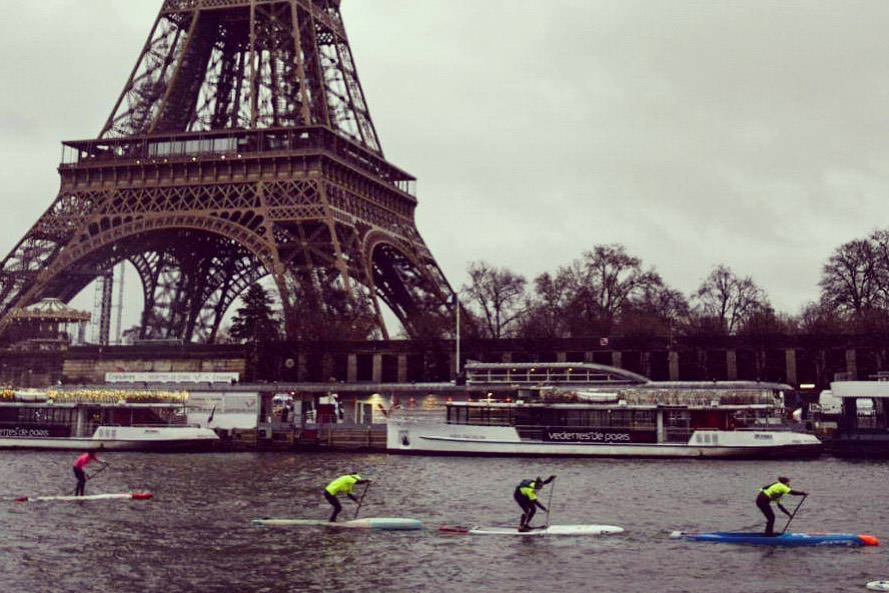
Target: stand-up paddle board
[(878, 585), (116, 496), (381, 523), (783, 539), (535, 531)]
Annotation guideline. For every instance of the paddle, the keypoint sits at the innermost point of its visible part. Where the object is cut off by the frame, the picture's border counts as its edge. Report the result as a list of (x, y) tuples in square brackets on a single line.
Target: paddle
[(549, 503), (98, 471), (361, 500), (793, 514)]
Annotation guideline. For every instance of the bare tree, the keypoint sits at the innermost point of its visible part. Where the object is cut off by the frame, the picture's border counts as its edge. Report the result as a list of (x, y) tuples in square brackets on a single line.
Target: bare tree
[(604, 291), (764, 322), (601, 286), (544, 316), (818, 319), (727, 300), (850, 279), (616, 277), (657, 310), (498, 294), (879, 241)]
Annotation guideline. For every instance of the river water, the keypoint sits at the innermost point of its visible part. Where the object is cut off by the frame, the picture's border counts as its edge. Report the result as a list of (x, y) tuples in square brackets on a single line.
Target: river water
[(196, 534)]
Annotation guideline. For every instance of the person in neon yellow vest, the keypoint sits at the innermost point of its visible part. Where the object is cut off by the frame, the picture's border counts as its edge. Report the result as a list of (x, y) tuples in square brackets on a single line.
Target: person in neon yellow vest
[(526, 496), (773, 493), (342, 485)]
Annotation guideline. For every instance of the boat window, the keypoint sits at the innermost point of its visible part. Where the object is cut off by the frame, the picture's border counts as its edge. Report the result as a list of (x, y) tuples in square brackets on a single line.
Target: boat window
[(621, 418), (866, 417), (643, 420), (597, 418), (576, 418), (677, 425), (490, 416), (527, 416), (56, 415), (458, 415), (476, 415)]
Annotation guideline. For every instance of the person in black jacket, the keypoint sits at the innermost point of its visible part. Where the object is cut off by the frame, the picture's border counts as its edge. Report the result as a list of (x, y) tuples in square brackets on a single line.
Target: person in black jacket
[(526, 496)]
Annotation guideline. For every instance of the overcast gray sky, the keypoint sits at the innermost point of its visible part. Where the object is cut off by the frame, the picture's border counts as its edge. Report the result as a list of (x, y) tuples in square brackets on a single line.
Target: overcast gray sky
[(694, 132)]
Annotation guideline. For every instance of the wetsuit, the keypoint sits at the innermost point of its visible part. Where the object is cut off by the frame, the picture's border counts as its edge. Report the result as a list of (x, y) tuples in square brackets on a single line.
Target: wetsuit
[(79, 472), (342, 485), (769, 494), (525, 495)]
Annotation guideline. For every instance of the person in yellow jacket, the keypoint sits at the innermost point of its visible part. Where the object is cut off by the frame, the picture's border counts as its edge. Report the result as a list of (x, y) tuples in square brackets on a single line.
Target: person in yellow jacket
[(342, 485), (526, 496), (773, 493)]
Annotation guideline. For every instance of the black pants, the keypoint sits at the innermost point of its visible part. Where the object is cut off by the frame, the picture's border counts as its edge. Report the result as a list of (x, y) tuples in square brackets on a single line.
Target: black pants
[(765, 505), (528, 507), (81, 481), (337, 507)]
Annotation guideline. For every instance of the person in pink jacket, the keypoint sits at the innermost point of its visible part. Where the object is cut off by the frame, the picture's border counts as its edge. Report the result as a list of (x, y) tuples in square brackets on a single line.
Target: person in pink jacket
[(80, 471)]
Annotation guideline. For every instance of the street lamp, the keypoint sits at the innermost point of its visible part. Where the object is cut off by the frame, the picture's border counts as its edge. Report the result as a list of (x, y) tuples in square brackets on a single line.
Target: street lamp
[(457, 304)]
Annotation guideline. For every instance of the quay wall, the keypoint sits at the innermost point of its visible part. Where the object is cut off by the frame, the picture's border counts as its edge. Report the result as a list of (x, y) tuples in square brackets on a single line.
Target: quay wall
[(92, 370), (327, 437), (796, 360)]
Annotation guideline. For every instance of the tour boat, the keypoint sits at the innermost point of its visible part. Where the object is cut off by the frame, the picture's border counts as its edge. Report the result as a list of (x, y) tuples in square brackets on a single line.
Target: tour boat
[(99, 419), (655, 419)]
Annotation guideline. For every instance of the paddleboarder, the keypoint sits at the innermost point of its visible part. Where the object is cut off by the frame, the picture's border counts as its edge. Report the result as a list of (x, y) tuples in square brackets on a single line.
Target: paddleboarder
[(773, 493), (526, 496), (80, 470), (342, 485)]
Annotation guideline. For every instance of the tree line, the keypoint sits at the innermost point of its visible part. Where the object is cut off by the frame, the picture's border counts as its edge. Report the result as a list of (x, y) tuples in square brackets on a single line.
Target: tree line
[(609, 292)]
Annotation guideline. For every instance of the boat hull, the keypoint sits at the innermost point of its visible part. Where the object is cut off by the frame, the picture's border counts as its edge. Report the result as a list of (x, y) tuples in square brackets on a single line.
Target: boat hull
[(784, 539), (444, 439), (857, 446), (124, 438)]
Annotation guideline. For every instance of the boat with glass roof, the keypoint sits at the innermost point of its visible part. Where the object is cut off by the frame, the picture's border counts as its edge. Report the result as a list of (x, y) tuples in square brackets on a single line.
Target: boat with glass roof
[(620, 414)]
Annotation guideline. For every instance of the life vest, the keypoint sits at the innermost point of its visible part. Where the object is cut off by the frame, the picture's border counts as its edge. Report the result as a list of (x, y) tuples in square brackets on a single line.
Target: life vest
[(343, 484), (527, 488), (775, 491)]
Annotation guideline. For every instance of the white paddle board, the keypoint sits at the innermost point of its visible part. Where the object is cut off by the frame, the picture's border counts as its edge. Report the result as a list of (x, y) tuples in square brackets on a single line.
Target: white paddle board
[(382, 523), (878, 585), (551, 530), (113, 496)]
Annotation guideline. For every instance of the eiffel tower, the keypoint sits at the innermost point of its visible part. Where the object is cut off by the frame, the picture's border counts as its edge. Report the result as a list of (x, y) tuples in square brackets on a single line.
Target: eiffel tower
[(241, 147)]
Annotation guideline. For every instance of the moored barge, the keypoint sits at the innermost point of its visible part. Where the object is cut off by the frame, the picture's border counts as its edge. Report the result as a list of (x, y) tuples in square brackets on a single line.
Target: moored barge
[(862, 424)]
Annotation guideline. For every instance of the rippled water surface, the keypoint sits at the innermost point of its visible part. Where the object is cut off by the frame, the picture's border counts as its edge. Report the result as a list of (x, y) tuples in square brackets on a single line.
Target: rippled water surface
[(196, 534)]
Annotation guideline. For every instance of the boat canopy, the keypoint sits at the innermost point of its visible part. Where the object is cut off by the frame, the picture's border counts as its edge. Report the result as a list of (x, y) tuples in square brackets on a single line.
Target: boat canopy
[(520, 374), (859, 389)]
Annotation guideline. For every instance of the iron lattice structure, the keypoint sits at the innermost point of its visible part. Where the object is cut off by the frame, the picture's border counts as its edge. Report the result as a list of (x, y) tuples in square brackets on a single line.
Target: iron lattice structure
[(240, 147)]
